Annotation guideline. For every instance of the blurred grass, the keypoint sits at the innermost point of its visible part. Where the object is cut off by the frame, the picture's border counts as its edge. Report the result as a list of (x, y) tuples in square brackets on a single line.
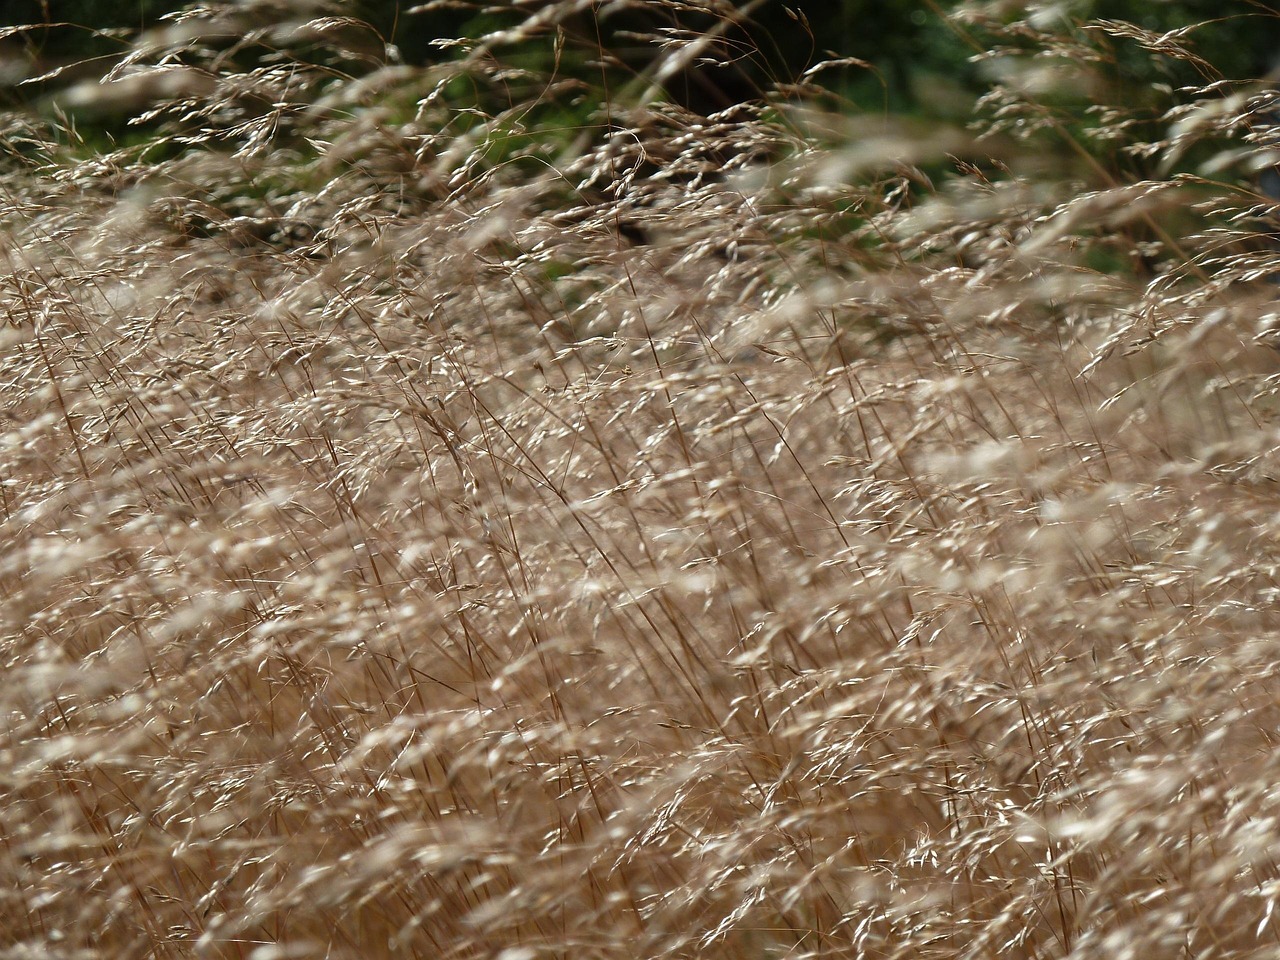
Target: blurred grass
[(454, 510)]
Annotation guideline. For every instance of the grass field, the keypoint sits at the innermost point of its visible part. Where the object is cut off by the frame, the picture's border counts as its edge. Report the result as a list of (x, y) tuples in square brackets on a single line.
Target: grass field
[(782, 534)]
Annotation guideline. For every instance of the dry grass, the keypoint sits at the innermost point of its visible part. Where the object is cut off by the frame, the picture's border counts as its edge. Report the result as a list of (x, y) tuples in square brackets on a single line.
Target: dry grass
[(408, 553)]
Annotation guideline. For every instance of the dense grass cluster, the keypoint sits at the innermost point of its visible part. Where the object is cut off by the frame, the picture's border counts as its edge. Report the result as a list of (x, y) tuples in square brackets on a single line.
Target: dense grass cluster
[(433, 530)]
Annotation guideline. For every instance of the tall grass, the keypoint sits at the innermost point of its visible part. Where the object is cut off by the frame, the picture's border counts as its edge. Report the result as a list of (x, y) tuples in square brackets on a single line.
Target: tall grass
[(435, 528)]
